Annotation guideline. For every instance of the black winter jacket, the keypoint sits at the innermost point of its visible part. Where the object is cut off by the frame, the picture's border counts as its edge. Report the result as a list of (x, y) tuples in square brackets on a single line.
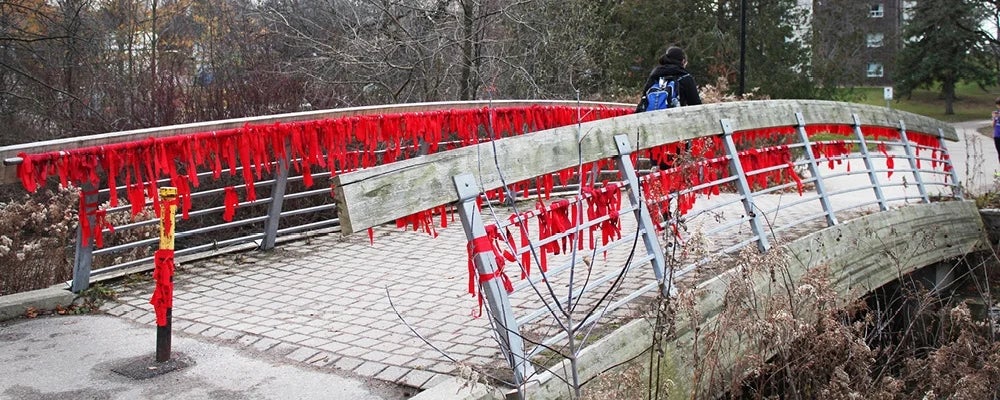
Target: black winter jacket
[(688, 88)]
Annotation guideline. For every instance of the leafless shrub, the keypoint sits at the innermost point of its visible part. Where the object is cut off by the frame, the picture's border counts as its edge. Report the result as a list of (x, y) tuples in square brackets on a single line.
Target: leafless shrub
[(719, 92), (778, 337), (624, 383), (965, 366), (36, 240), (39, 234)]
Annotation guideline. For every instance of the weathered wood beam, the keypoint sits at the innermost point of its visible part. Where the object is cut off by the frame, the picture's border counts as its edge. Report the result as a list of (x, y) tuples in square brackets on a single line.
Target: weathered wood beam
[(372, 196)]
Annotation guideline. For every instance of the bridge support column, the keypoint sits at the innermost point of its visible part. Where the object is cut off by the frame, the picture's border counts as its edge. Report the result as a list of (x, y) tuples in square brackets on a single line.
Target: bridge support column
[(863, 149), (743, 187), (490, 283), (912, 159), (824, 199), (642, 216)]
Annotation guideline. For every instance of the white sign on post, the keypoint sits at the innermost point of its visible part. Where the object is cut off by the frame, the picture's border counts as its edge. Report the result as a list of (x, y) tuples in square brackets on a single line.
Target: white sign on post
[(888, 93)]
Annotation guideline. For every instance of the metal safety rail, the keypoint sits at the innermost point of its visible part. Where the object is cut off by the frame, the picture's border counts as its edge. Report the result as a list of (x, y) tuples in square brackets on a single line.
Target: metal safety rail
[(729, 202), (550, 304), (284, 206), (200, 229), (828, 191), (202, 223)]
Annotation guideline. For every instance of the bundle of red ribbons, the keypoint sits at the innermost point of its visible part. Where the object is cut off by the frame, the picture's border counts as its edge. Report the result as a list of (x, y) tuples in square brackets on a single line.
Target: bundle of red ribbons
[(560, 217), (339, 144), (554, 220), (757, 157)]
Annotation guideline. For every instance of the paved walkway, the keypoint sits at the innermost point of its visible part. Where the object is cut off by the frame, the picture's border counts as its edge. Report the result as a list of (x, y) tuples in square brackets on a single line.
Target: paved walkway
[(324, 302), (76, 357)]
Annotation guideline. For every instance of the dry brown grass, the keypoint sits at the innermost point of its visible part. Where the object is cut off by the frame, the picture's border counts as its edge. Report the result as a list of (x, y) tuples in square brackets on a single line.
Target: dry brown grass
[(807, 343)]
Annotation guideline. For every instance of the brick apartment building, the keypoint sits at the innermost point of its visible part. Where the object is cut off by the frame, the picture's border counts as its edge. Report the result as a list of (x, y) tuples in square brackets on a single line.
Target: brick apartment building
[(861, 36)]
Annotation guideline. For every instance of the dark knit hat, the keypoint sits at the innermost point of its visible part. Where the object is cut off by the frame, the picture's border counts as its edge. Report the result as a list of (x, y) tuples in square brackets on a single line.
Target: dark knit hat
[(674, 55)]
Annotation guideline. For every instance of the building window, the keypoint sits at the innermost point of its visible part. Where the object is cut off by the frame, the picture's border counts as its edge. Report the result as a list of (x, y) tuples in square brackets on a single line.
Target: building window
[(907, 10), (875, 70), (876, 11), (875, 39)]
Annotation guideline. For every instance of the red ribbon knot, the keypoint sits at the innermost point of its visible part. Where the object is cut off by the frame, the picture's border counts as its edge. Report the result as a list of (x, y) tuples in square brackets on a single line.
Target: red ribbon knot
[(489, 243)]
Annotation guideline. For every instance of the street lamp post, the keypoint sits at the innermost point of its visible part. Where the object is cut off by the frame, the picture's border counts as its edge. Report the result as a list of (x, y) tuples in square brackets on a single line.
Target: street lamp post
[(743, 46)]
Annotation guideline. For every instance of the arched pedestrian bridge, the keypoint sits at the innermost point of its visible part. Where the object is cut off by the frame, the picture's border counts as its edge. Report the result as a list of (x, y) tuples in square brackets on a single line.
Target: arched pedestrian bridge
[(865, 193)]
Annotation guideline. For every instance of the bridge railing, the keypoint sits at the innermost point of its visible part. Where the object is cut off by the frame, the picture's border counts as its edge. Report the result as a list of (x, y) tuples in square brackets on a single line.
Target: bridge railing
[(734, 175), (250, 182), (747, 172)]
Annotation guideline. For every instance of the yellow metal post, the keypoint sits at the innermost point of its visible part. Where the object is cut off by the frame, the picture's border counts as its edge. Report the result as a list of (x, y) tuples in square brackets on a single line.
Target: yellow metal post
[(163, 273), (168, 204)]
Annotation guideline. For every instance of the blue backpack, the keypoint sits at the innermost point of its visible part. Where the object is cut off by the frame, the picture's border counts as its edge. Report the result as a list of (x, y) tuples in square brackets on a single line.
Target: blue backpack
[(663, 94)]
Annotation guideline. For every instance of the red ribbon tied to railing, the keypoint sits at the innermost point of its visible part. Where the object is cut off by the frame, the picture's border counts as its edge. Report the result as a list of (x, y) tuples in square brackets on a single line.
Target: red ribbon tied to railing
[(231, 201), (489, 243)]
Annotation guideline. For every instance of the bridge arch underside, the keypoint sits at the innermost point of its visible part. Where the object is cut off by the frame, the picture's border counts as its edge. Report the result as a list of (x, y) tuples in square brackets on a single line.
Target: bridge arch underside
[(857, 257)]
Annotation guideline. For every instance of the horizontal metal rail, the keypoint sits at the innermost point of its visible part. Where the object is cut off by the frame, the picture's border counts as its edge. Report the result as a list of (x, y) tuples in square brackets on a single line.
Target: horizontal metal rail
[(299, 209)]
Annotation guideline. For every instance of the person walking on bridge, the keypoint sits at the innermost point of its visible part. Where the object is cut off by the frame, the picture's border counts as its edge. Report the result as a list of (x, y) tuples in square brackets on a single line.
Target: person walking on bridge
[(672, 65)]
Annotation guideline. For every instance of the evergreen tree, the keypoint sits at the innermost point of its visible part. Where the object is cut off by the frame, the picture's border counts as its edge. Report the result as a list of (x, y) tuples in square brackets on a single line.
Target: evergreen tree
[(709, 31), (647, 28), (944, 46), (776, 57), (836, 59)]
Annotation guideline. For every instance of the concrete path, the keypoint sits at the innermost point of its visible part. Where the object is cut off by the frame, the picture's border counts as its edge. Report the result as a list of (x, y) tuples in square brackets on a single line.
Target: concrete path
[(976, 158), (318, 308), (74, 357)]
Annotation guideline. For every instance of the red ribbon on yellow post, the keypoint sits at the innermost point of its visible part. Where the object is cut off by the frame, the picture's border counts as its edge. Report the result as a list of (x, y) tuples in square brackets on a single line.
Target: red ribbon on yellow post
[(163, 272)]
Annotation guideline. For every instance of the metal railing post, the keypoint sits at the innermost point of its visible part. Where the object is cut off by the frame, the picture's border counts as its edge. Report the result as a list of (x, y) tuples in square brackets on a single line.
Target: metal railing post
[(956, 188), (642, 216), (912, 159), (274, 209), (863, 149), (508, 332), (824, 199), (743, 186), (84, 258)]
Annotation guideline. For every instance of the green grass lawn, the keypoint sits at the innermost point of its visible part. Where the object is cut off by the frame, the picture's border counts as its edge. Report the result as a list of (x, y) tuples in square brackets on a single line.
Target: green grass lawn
[(972, 103)]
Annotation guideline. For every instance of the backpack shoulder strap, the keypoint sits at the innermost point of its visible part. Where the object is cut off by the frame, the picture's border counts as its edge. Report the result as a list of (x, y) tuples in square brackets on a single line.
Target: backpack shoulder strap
[(678, 78)]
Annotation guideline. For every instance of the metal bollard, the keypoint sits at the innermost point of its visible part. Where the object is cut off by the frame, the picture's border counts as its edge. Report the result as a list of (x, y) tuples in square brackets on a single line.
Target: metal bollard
[(163, 273)]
